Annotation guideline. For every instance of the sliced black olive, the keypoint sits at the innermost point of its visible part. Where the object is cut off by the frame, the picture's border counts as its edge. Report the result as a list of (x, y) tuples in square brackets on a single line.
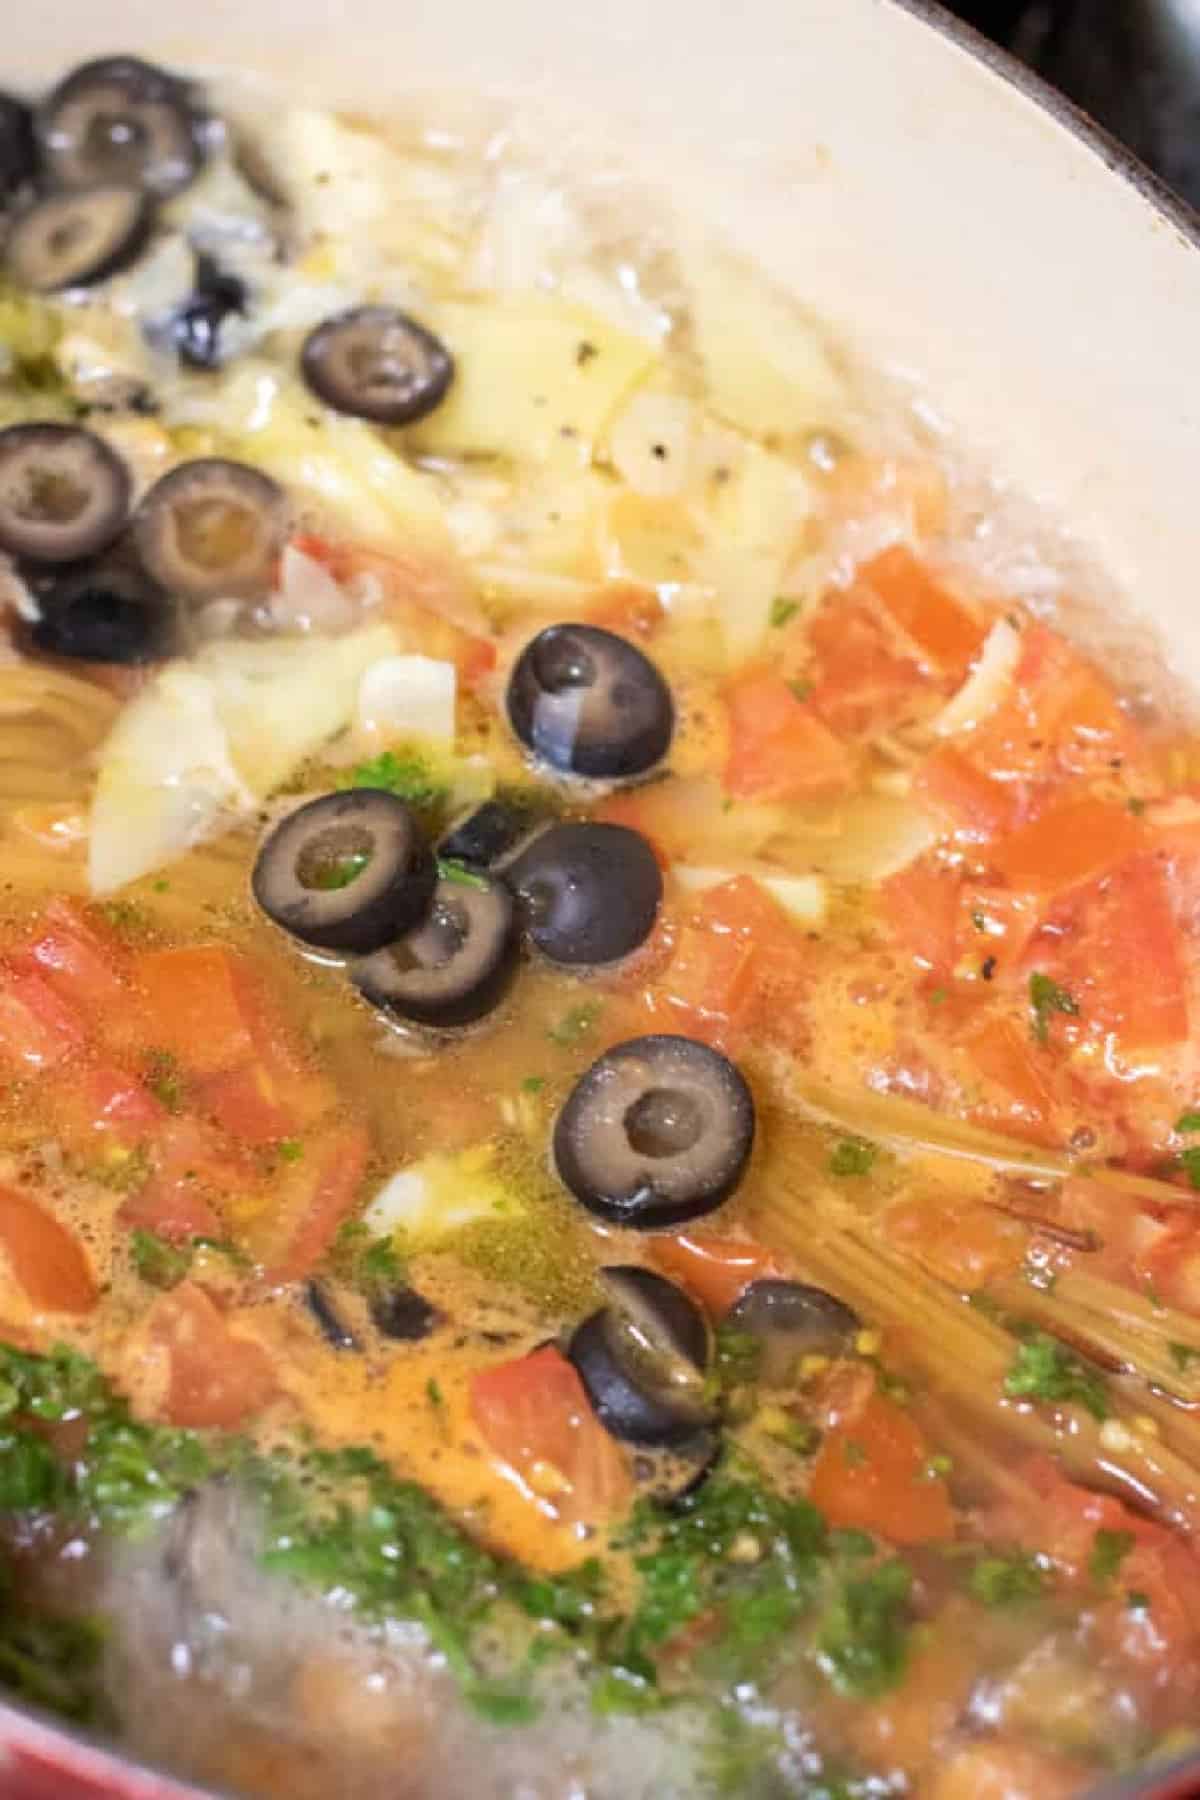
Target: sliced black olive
[(457, 964), (212, 529), (659, 1130), (643, 1359), (482, 835), (71, 240), (349, 871), (376, 363), (195, 327), (64, 494), (672, 1474), (589, 893), (402, 1313), (121, 119), (589, 703), (790, 1320), (16, 145), (333, 1327), (106, 611)]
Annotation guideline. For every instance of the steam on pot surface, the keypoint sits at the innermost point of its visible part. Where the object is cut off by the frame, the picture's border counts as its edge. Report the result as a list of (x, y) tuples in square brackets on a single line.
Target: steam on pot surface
[(599, 1138)]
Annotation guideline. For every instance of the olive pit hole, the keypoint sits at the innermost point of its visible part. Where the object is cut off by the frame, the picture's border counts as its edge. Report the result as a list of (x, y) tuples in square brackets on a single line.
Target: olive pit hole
[(664, 1122), (334, 858)]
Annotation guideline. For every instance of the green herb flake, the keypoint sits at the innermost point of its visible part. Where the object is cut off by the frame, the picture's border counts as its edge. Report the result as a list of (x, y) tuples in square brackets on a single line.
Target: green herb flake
[(1137, 1601), (1044, 1369), (291, 1150), (1000, 1581), (783, 611), (1109, 1550), (1184, 1356), (800, 690), (458, 872), (338, 871), (1136, 806), (575, 1025), (158, 1263), (399, 773), (853, 1156), (1046, 998), (938, 996), (1188, 1121), (533, 1084), (863, 1643), (164, 1080), (1189, 1162), (433, 1393)]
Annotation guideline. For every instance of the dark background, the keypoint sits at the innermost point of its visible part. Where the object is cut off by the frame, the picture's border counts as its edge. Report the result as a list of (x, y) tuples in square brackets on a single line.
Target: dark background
[(1134, 65)]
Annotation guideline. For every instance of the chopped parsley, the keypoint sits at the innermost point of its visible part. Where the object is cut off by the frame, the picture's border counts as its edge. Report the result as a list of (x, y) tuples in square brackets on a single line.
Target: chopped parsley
[(1184, 1356), (575, 1025), (1007, 1580), (1188, 1121), (1046, 998), (800, 690), (1109, 1550), (52, 1662), (853, 1156), (158, 1263), (291, 1149), (1044, 1369), (400, 773), (863, 1644), (338, 872), (340, 1521), (533, 1084), (365, 1262), (449, 869), (1137, 1601), (783, 611), (164, 1080)]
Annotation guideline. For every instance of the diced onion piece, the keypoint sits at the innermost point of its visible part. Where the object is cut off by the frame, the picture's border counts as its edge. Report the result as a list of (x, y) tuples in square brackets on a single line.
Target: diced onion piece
[(987, 684), (537, 379), (529, 230), (407, 697), (756, 520), (866, 840), (767, 369), (437, 1195), (804, 897), (208, 739), (308, 598), (166, 779), (650, 443)]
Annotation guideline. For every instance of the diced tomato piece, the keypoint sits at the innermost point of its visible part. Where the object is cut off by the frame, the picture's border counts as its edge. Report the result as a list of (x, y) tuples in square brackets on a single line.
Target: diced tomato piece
[(921, 905), (534, 1415), (85, 963), (1019, 1071), (779, 748), (738, 961), (858, 684), (872, 1473), (48, 1264), (992, 930), (246, 1103), (217, 1378), (715, 1269), (193, 1166), (104, 1105), (37, 1029), (1120, 956), (965, 1246), (176, 1213), (196, 1006), (1073, 841), (629, 610), (942, 629), (1001, 1768), (973, 806), (1061, 719), (315, 1197)]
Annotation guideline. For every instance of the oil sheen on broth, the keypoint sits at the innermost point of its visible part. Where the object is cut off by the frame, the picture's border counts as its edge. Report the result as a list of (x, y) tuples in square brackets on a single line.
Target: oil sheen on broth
[(599, 1142)]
